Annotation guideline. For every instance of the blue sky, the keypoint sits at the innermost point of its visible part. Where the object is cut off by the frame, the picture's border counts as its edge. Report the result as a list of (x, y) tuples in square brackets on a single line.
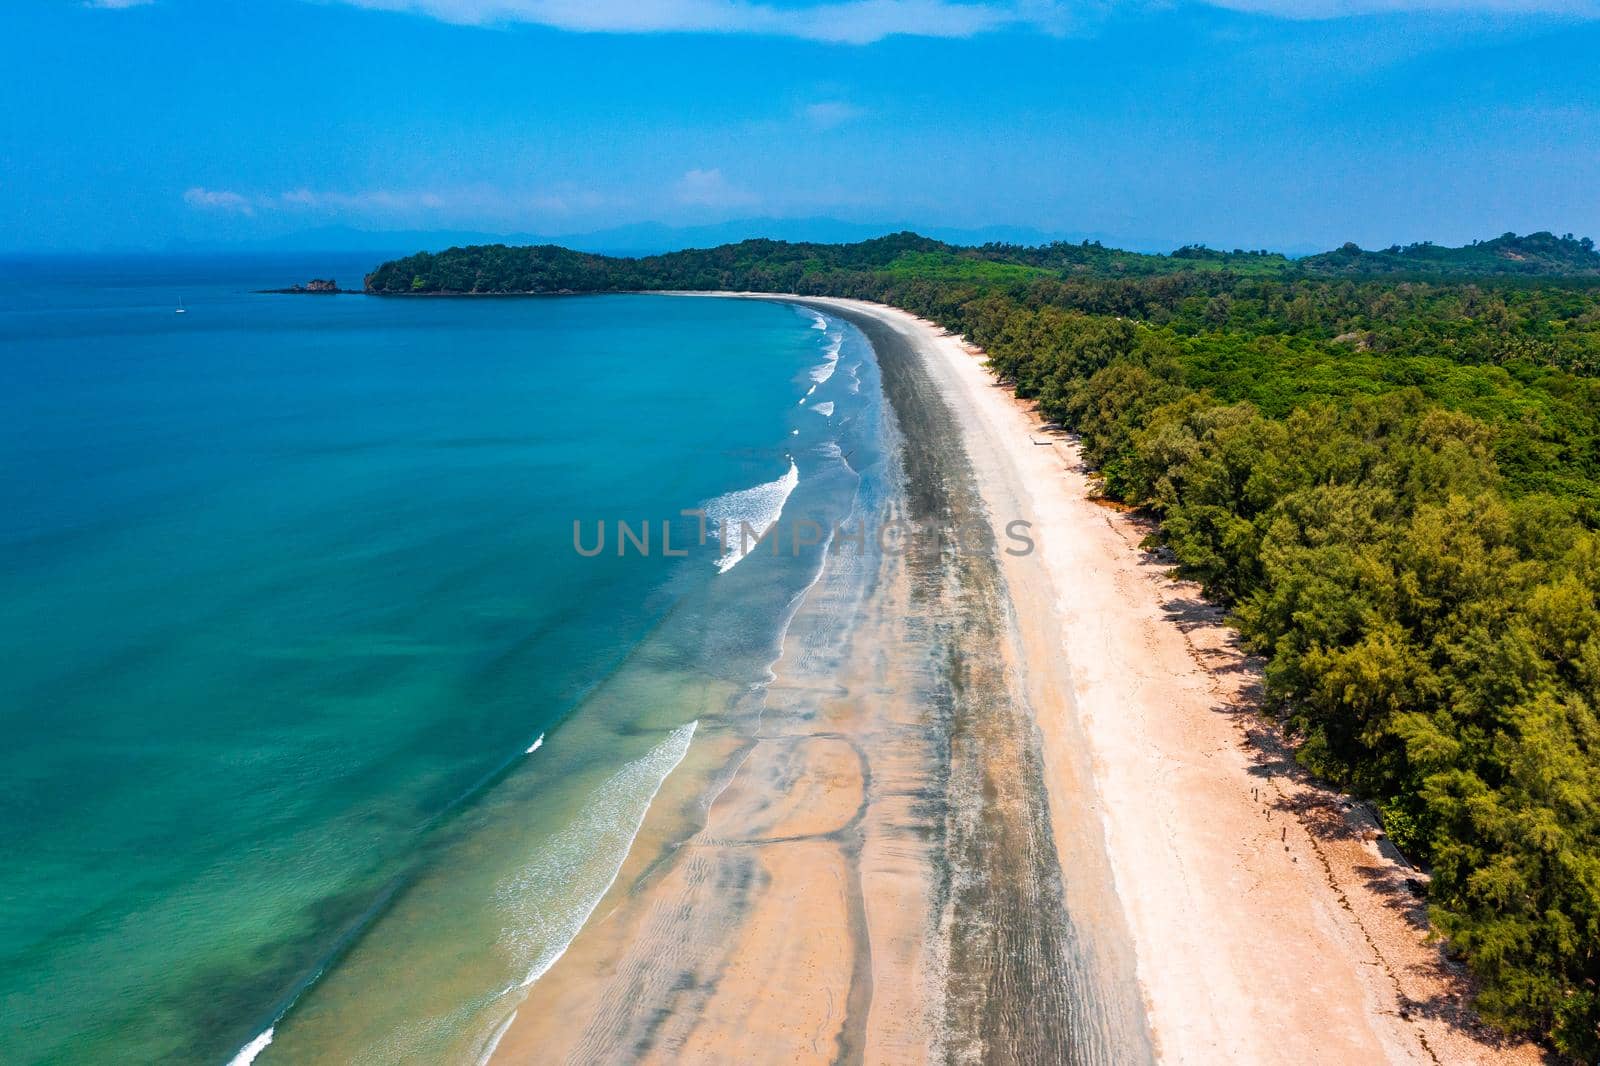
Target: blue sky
[(1296, 124)]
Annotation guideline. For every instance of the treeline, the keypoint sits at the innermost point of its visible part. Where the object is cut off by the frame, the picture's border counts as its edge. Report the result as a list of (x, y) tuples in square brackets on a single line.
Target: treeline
[(1432, 628), (1393, 485), (758, 264), (499, 268), (1534, 255), (1407, 530)]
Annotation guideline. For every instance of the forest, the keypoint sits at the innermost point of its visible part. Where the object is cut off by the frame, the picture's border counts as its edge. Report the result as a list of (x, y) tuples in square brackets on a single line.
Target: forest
[(1385, 464), (500, 268)]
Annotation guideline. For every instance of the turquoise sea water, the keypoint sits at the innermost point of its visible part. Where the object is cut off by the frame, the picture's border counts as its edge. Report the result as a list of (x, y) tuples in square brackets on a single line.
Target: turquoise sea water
[(289, 593)]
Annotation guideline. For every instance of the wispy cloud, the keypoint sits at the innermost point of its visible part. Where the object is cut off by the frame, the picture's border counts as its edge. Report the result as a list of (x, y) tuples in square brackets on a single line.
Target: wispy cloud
[(709, 188), (1334, 9), (839, 21), (379, 201), (486, 204), (223, 200), (828, 114), (862, 22)]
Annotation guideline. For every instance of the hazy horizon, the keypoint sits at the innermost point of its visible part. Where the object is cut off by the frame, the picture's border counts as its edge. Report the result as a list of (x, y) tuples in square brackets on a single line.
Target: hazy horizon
[(655, 238), (639, 238)]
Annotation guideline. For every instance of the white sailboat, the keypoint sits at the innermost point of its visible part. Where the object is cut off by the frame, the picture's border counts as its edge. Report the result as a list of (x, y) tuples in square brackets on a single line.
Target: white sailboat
[(180, 306)]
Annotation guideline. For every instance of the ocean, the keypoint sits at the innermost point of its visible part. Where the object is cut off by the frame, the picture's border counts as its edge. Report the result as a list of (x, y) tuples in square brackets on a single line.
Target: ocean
[(327, 726)]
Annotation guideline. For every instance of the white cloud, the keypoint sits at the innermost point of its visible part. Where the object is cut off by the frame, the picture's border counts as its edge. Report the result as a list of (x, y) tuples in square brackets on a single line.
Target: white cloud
[(827, 114), (379, 201), (1333, 9), (838, 21), (219, 200), (867, 21), (708, 188), (474, 204)]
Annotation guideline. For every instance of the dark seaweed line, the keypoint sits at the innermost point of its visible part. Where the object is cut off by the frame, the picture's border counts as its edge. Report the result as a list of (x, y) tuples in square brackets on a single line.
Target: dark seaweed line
[(1018, 989)]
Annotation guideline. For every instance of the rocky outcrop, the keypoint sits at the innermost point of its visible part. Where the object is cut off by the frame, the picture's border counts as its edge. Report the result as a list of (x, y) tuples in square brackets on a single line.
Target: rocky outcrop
[(315, 285)]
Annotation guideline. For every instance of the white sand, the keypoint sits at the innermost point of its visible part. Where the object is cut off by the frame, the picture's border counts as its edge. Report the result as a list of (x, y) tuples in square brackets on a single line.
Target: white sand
[(1268, 922)]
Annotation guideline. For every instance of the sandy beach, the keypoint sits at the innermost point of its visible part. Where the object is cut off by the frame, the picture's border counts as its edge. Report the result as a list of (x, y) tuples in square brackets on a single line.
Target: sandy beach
[(1003, 807), (1270, 920)]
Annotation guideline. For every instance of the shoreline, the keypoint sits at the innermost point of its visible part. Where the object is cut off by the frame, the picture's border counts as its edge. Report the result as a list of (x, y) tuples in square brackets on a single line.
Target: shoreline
[(1284, 927), (677, 962), (1196, 890), (881, 877)]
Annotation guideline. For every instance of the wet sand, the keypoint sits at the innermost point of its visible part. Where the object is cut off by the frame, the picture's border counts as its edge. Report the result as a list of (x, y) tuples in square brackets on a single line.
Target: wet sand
[(880, 879)]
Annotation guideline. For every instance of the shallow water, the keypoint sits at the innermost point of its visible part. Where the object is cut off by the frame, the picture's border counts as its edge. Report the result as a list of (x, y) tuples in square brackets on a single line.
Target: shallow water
[(291, 593)]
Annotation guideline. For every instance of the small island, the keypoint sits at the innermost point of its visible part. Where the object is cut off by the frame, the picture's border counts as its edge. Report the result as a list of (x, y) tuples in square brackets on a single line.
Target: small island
[(316, 286)]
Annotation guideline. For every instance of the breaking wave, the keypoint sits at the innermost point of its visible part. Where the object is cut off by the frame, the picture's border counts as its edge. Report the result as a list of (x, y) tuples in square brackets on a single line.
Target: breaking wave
[(824, 370), (583, 860), (758, 508), (248, 1053)]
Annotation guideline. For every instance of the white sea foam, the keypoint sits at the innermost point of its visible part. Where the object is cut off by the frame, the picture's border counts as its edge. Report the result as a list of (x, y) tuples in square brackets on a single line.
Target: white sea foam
[(759, 508), (248, 1053), (535, 745), (824, 370), (493, 1043), (582, 861), (824, 408), (818, 320)]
